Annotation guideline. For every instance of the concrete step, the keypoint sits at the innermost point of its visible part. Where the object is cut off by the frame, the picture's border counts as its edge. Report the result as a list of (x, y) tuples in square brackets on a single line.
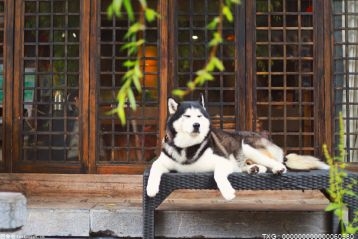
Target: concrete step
[(248, 216)]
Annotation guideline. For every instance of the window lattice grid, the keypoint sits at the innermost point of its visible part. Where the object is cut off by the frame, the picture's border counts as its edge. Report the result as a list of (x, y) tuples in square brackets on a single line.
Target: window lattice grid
[(284, 73), (192, 53), (345, 18), (136, 142), (50, 90)]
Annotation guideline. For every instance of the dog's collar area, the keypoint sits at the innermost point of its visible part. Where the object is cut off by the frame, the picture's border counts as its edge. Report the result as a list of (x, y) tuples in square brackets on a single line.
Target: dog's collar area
[(191, 154)]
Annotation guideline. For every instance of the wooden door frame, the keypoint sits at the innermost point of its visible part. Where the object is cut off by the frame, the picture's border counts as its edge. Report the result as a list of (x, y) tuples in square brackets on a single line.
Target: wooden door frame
[(13, 63)]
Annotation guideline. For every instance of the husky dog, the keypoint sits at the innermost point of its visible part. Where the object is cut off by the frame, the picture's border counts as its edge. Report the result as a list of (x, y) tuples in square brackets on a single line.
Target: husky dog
[(191, 145)]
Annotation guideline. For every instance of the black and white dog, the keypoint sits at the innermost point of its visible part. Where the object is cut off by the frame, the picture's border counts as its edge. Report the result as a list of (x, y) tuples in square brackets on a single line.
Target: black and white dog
[(191, 145)]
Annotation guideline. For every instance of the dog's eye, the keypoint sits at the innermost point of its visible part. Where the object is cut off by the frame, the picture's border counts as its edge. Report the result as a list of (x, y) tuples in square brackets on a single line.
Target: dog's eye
[(187, 116), (199, 116)]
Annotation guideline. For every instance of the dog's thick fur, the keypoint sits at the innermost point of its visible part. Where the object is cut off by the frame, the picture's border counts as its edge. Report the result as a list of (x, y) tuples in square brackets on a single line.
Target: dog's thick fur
[(191, 145)]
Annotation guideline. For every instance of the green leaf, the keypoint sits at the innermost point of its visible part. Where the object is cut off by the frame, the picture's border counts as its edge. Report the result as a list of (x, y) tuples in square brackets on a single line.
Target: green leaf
[(205, 75), (110, 12), (133, 29), (115, 8), (218, 63), (131, 98), (227, 13), (191, 85), (236, 1), (213, 24), (121, 114), (350, 193), (217, 39), (129, 9), (150, 14), (178, 92), (331, 207), (129, 63), (137, 84), (143, 3)]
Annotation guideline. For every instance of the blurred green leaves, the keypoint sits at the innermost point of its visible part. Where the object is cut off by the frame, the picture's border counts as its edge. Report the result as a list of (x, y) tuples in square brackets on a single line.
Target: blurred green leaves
[(339, 188), (131, 80), (213, 63)]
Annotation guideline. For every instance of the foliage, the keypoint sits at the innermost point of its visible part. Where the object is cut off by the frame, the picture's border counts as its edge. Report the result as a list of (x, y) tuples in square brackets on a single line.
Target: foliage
[(131, 80), (205, 74), (337, 185)]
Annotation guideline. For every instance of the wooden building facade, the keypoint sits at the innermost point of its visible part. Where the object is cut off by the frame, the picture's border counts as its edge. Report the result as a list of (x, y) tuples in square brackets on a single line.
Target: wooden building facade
[(290, 67)]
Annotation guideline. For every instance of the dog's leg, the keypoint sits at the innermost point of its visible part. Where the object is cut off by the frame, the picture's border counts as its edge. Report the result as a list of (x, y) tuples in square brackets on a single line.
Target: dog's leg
[(275, 151), (221, 172), (159, 167), (260, 158)]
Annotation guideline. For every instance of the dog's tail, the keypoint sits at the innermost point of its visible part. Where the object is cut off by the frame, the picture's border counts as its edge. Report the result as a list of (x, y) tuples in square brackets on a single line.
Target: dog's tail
[(304, 162)]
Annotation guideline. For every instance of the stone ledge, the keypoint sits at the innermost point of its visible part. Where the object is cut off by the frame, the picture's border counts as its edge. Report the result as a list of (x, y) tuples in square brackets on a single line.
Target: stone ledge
[(13, 211), (85, 216)]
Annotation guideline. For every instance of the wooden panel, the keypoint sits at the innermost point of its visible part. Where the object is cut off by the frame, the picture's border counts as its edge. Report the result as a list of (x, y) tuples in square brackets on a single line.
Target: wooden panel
[(93, 108), (164, 68), (18, 66), (328, 76), (319, 82), (8, 84), (250, 100), (85, 84), (61, 184)]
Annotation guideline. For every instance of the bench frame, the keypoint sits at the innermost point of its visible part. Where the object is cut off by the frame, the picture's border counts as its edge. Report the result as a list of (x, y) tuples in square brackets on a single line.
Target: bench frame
[(313, 180)]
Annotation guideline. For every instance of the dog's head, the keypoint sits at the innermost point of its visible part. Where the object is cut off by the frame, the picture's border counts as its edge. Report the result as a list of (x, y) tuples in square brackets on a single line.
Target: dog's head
[(188, 122)]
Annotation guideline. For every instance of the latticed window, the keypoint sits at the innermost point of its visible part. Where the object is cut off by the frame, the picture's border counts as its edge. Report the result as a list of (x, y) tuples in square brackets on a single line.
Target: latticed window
[(283, 85), (47, 78), (345, 23), (64, 66), (285, 73), (135, 142), (191, 54)]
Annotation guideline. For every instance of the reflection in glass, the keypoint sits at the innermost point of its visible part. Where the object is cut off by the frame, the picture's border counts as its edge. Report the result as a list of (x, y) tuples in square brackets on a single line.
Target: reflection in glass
[(51, 80)]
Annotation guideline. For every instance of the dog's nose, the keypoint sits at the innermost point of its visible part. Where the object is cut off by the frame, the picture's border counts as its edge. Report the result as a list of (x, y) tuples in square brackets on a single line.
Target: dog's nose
[(196, 126)]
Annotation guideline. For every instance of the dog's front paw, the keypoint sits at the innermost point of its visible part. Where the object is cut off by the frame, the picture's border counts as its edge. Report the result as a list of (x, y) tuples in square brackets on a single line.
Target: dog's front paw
[(152, 190), (228, 194), (256, 169), (279, 169)]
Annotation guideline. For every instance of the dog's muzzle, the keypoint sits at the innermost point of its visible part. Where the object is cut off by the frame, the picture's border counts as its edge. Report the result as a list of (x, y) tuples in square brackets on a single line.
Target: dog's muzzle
[(196, 128)]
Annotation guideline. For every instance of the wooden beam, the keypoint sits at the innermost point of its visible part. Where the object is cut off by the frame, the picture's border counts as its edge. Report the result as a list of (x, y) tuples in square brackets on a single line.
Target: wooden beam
[(7, 118), (65, 184), (84, 85), (163, 86)]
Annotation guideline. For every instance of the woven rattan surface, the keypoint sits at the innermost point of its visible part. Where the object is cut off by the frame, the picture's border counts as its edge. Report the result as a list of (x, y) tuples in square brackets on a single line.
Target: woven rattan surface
[(316, 180)]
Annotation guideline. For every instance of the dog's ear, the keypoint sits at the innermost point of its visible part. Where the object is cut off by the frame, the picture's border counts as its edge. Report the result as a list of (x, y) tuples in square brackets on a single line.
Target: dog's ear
[(202, 100), (172, 105)]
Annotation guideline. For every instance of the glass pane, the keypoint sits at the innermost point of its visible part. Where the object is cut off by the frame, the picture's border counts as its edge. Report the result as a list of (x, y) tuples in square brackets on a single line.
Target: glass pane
[(192, 54), (51, 81), (136, 142), (346, 73), (284, 65)]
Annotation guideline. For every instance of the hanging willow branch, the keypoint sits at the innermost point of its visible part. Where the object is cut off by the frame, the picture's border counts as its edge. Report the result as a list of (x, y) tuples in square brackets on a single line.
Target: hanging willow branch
[(205, 74), (132, 78), (134, 74)]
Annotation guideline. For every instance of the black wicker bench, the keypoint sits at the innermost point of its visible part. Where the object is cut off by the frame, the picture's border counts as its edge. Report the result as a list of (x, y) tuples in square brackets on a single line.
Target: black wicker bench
[(316, 180)]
